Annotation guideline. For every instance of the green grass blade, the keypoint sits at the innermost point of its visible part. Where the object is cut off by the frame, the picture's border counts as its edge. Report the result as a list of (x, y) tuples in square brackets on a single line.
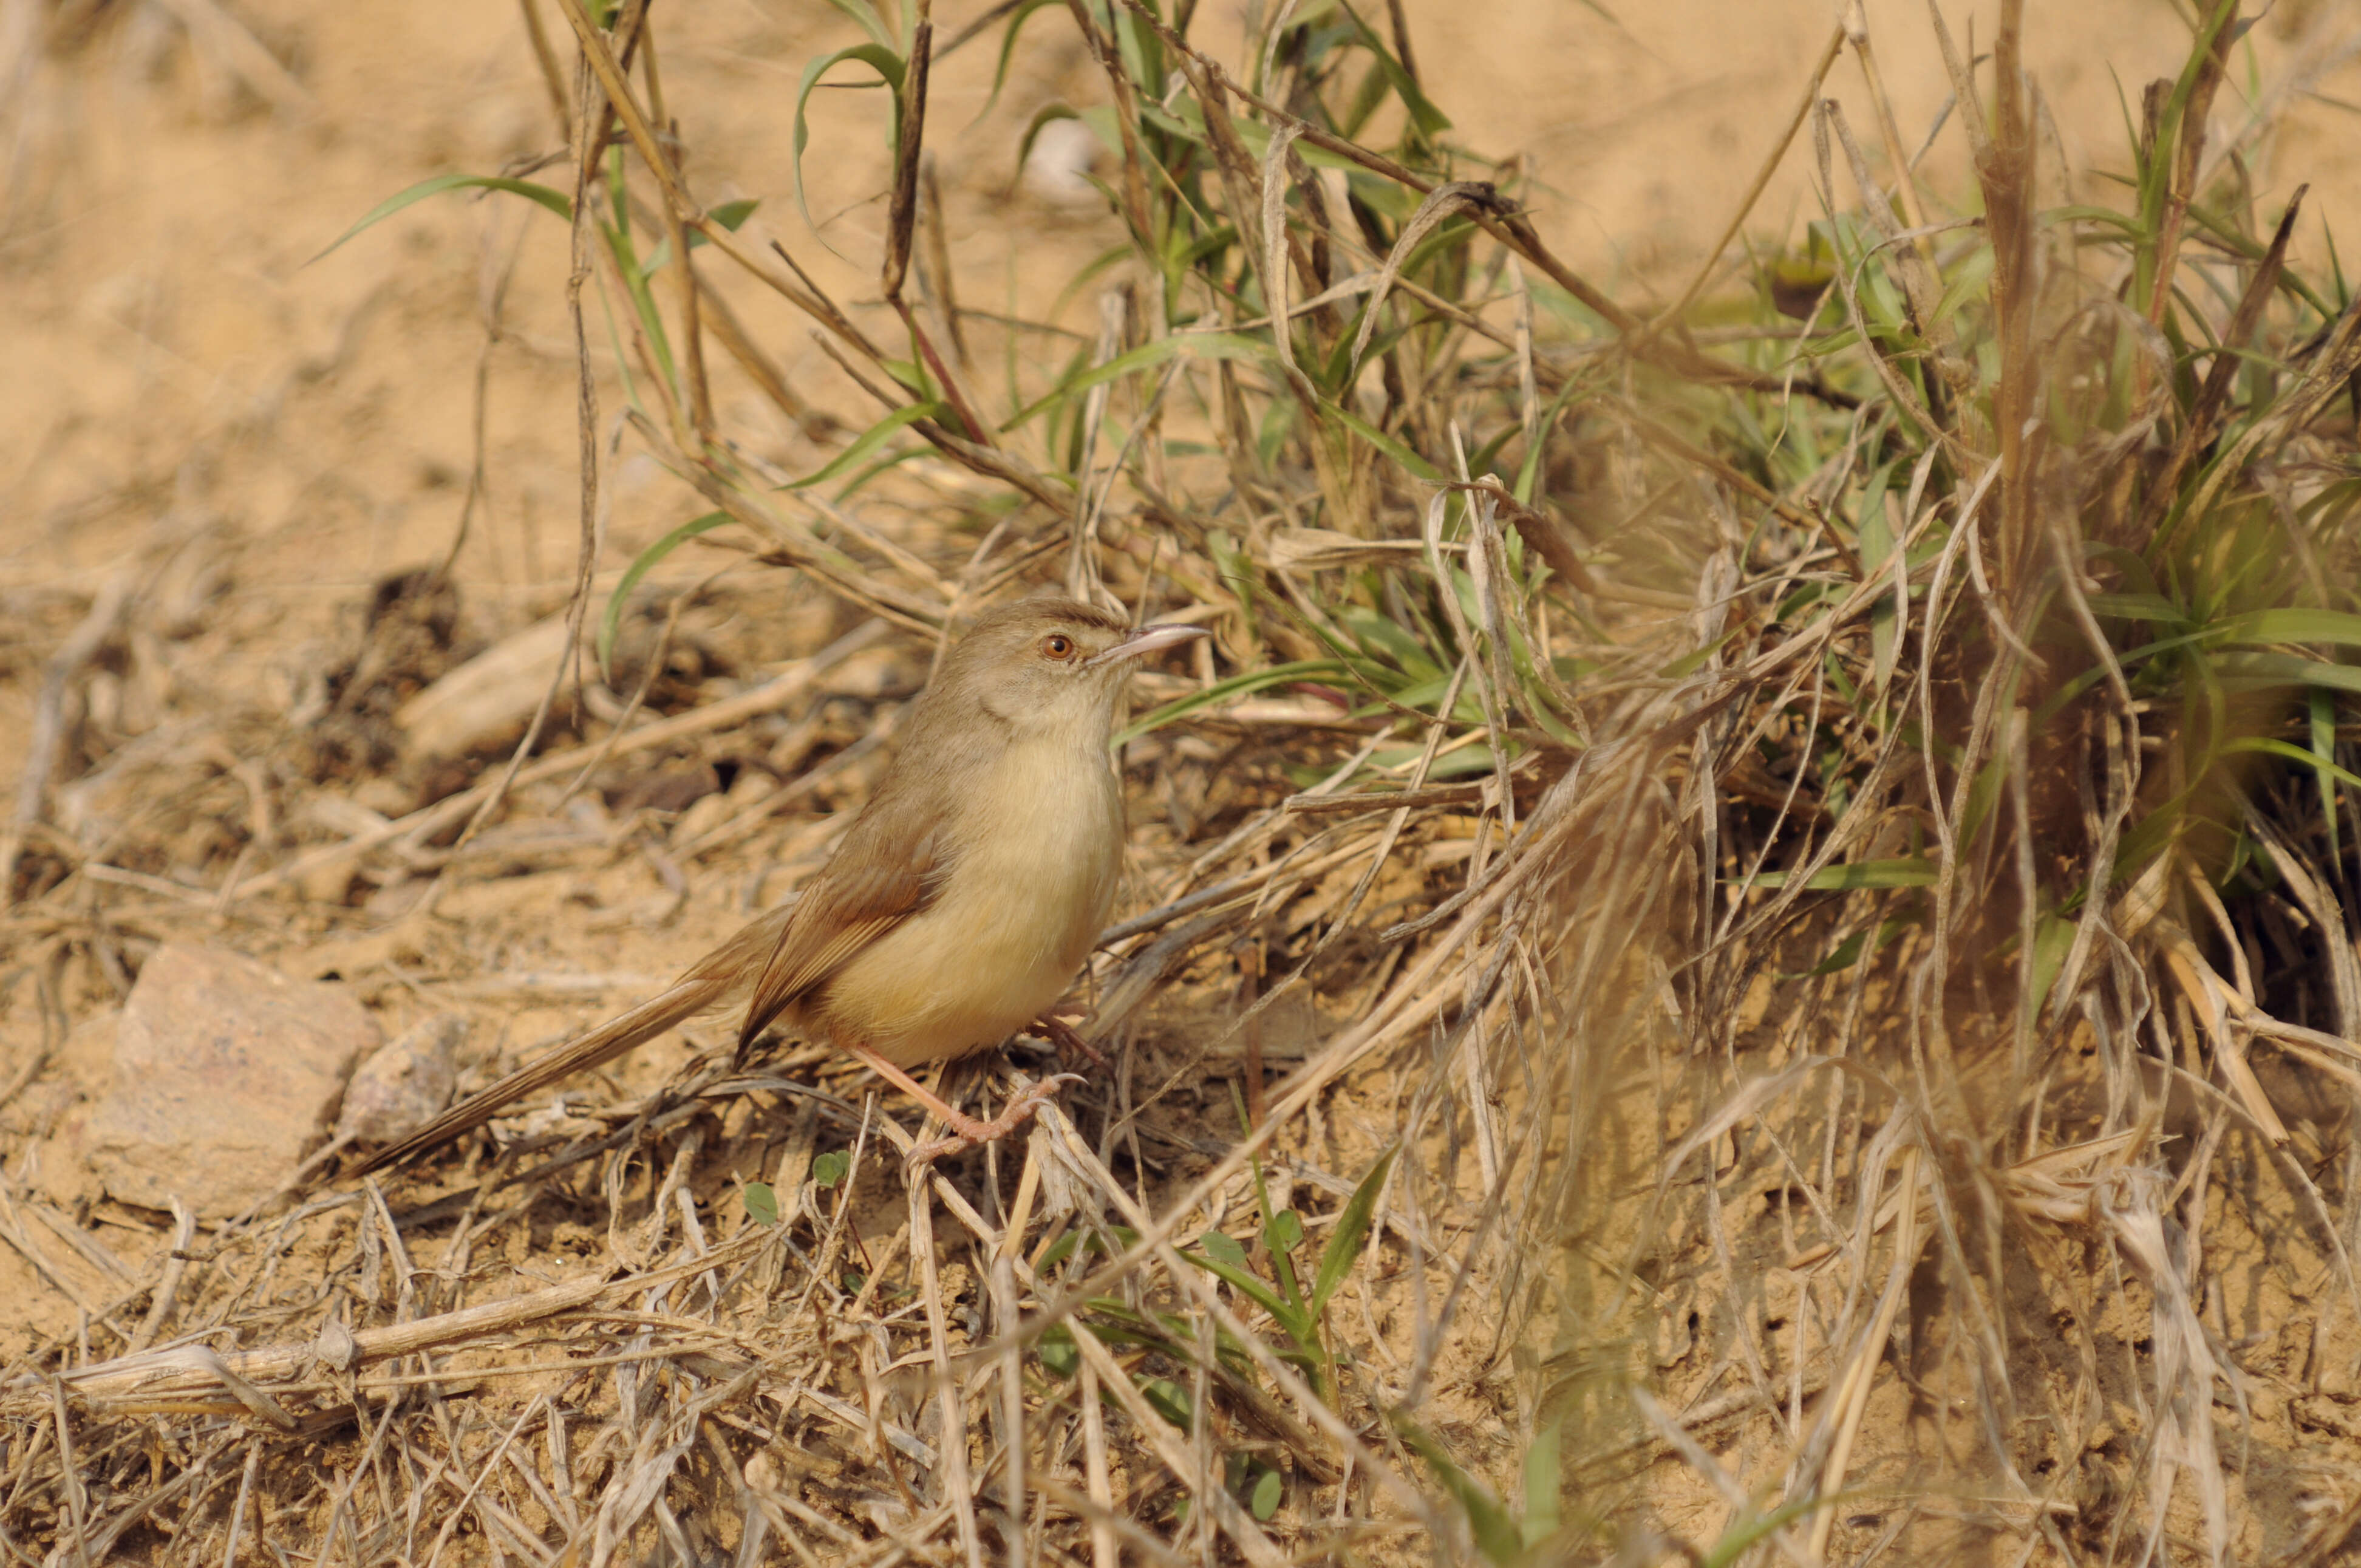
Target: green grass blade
[(643, 306), (2337, 627), (2246, 672), (1749, 1527), (612, 616), (2323, 716), (1431, 121), (556, 200), (1236, 686), (1352, 1230), (1498, 1535), (868, 21), (1544, 1481), (2317, 760), (1909, 872), (879, 59), (1187, 344), (1292, 1321), (732, 216), (1419, 466), (1007, 49), (870, 440)]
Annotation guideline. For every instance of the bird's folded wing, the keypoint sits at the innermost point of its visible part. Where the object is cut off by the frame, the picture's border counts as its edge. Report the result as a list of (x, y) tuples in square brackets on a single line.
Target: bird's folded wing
[(886, 871)]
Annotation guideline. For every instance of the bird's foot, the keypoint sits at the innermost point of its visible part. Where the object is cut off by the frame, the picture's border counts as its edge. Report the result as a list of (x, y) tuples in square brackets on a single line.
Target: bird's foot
[(1070, 1042), (967, 1132)]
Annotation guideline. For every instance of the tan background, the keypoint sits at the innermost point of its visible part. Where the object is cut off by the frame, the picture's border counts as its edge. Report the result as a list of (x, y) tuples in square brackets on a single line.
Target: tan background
[(173, 362)]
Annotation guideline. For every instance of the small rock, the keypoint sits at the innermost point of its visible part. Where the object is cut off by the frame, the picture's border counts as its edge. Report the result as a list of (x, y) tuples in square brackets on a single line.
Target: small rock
[(1058, 164), (224, 1071), (337, 1345), (387, 797), (404, 1083), (488, 700), (668, 789)]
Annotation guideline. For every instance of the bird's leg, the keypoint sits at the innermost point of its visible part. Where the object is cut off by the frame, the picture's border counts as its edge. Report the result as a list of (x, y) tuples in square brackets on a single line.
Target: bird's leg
[(1068, 1040), (966, 1131)]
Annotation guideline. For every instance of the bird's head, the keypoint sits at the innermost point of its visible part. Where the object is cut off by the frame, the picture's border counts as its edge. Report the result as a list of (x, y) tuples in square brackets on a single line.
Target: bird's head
[(1052, 665)]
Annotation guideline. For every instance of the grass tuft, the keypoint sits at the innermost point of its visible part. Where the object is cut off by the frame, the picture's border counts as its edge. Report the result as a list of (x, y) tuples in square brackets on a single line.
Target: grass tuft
[(1815, 832)]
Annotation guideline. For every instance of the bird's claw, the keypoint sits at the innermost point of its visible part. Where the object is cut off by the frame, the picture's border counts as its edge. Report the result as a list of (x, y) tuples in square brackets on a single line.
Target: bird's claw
[(967, 1132), (1067, 1039)]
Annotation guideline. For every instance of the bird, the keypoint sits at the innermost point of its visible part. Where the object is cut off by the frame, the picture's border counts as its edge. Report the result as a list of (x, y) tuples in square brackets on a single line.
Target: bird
[(961, 902)]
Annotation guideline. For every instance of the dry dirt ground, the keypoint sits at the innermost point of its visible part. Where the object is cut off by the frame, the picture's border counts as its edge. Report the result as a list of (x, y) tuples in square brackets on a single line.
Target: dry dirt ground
[(193, 391)]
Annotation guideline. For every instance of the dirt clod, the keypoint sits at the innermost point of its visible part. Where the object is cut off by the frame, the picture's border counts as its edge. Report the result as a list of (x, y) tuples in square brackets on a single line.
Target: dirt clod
[(226, 1072)]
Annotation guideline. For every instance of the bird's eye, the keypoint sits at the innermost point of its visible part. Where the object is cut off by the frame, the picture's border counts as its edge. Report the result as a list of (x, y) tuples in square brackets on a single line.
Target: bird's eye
[(1057, 646)]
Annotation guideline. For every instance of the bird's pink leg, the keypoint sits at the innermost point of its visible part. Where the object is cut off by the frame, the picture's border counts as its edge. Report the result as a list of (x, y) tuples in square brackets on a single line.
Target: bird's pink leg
[(966, 1131), (1068, 1040)]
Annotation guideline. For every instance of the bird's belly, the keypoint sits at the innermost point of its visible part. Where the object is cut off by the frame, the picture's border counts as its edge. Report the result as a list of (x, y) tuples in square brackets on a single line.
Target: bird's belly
[(1004, 937)]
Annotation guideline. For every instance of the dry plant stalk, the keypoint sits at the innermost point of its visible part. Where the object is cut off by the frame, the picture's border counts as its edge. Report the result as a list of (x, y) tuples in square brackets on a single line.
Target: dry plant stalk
[(1818, 873)]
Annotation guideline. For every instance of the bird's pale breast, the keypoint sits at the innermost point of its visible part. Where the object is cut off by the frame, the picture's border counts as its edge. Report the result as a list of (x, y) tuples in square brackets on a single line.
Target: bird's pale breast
[(1009, 929)]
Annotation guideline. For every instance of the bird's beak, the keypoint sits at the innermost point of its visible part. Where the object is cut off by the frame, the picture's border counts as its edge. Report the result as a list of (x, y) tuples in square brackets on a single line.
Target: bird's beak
[(1153, 639)]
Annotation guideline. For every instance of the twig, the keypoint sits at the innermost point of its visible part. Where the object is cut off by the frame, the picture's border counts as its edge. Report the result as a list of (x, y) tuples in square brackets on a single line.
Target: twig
[(80, 646)]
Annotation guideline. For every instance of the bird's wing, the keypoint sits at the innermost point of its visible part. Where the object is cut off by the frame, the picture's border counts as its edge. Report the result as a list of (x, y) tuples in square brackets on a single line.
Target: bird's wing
[(889, 867)]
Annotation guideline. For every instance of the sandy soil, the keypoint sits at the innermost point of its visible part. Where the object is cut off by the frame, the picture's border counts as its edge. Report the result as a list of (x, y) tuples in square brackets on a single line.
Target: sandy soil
[(174, 347), (183, 364)]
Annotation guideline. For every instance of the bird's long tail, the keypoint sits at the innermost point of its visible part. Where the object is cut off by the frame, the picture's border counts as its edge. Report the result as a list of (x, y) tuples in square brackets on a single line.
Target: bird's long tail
[(709, 983)]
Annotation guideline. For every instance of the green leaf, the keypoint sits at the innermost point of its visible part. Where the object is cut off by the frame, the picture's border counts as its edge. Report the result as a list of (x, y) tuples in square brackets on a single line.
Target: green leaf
[(761, 1203), (1431, 121), (2252, 670), (1419, 466), (2053, 939), (1497, 1535), (1848, 952), (556, 200), (1285, 1232), (1007, 49), (2334, 627), (1183, 345), (2323, 715), (870, 440), (1751, 1527), (1222, 691), (1909, 871), (830, 1167), (1545, 1479), (1257, 1290), (1167, 1398), (1528, 472), (612, 616), (2315, 760), (1058, 1351), (2108, 216), (731, 215), (1384, 637), (869, 20), (1267, 1493), (618, 236), (1224, 1247), (879, 59), (1352, 1231)]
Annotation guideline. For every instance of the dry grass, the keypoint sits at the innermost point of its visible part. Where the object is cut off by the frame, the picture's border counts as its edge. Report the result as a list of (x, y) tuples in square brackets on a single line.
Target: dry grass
[(1795, 853)]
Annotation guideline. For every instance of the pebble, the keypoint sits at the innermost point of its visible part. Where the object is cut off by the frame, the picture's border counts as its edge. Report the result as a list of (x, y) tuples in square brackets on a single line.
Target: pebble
[(226, 1072)]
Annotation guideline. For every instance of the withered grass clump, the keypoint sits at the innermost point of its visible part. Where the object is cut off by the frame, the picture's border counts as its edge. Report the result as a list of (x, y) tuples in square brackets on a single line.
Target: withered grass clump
[(1799, 843)]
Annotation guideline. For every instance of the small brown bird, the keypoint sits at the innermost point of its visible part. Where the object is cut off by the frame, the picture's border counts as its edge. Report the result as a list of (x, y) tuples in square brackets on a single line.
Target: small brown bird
[(963, 899)]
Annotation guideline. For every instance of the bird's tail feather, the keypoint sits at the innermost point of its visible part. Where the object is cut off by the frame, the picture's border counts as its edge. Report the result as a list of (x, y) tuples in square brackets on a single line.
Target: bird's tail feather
[(711, 982)]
